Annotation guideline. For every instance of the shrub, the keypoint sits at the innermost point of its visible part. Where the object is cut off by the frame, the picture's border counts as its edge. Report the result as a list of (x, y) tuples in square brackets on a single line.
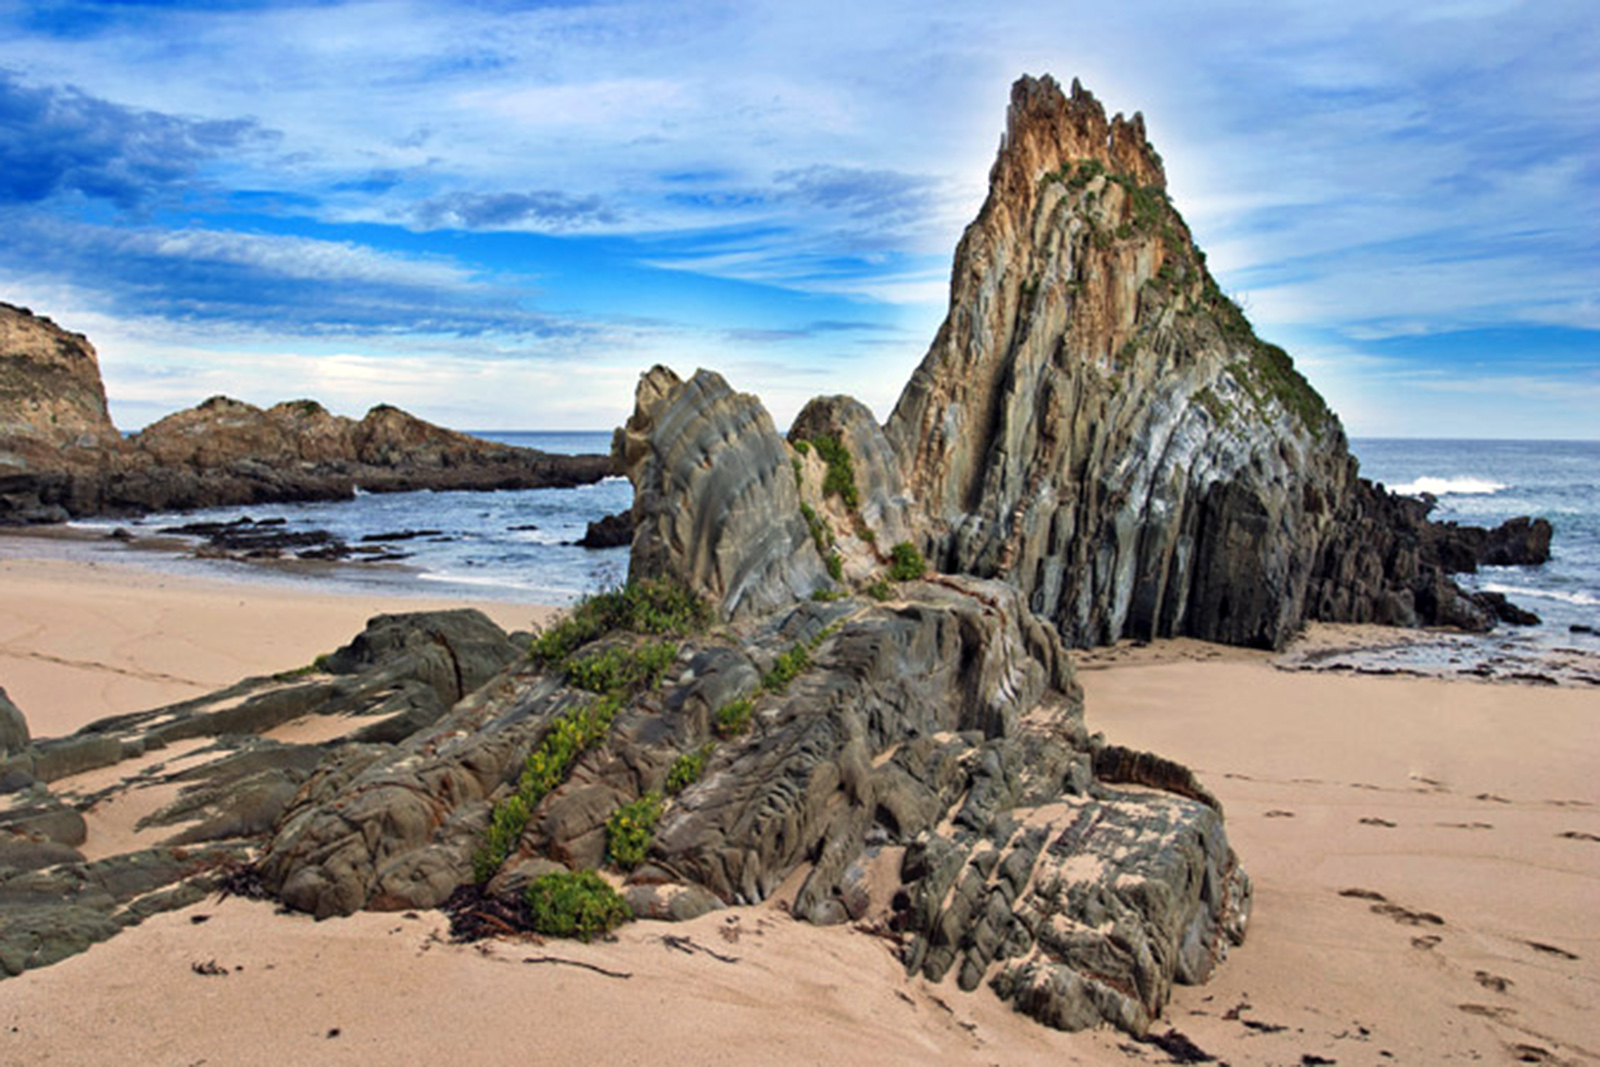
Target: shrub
[(906, 563), (657, 607), (825, 596), (835, 566), (734, 718), (543, 771), (630, 830), (687, 769), (787, 668), (820, 534), (803, 447), (880, 590), (623, 668), (841, 477), (575, 904)]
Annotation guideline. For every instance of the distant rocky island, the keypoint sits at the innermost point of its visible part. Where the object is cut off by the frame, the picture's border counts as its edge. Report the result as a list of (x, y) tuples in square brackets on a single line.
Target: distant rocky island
[(61, 456), (841, 664)]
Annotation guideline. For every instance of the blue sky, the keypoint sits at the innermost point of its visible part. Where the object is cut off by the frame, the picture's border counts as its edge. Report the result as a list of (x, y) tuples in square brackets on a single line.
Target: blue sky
[(498, 214)]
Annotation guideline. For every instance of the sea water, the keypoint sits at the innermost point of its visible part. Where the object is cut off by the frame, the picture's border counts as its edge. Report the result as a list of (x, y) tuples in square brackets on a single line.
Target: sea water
[(512, 544), (1484, 483), (517, 544)]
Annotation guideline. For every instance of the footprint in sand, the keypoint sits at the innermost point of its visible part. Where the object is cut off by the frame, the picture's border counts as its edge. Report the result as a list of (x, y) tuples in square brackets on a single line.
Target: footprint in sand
[(1407, 916), (1570, 835), (1466, 825), (1363, 894), (1426, 942), (1493, 981), (1277, 813), (1372, 820), (1493, 798), (1551, 950), (1488, 1011)]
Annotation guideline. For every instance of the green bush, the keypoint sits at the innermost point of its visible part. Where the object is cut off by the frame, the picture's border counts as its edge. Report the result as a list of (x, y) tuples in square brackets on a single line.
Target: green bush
[(906, 563), (575, 904), (835, 564), (734, 718), (658, 607), (543, 771), (820, 534), (687, 769), (880, 590), (803, 447), (623, 668), (786, 669), (826, 596), (841, 477), (630, 830)]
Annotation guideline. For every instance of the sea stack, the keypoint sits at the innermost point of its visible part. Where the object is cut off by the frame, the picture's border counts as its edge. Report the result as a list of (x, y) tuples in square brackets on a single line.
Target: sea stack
[(1098, 423)]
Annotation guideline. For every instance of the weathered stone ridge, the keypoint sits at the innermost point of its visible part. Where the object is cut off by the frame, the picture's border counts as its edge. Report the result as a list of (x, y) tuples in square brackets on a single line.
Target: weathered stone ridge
[(1099, 424), (715, 504), (61, 456)]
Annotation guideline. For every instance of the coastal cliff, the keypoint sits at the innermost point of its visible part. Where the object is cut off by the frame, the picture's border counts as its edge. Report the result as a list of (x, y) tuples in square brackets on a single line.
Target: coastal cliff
[(1098, 423), (62, 457)]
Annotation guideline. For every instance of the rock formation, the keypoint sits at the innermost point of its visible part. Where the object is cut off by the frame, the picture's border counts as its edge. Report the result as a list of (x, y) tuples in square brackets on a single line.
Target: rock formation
[(60, 455), (1098, 423), (931, 732)]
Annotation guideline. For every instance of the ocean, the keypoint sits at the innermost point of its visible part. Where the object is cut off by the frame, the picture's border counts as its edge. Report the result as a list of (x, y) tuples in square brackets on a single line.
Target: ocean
[(1484, 483), (509, 545), (515, 545)]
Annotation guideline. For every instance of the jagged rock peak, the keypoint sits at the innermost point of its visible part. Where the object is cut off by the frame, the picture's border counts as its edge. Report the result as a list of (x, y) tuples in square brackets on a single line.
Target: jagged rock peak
[(1046, 128)]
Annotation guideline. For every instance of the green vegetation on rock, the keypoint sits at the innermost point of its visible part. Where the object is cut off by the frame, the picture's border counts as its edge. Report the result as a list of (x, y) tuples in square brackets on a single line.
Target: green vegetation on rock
[(630, 830), (687, 769), (840, 480), (906, 563), (622, 668), (577, 904), (732, 719), (658, 607)]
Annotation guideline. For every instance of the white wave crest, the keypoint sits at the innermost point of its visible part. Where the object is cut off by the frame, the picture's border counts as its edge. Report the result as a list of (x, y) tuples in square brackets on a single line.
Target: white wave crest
[(1449, 487), (1584, 600)]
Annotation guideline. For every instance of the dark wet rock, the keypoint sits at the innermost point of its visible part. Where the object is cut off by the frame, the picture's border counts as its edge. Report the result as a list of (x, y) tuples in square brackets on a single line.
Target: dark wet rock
[(1503, 610), (1518, 542), (612, 531)]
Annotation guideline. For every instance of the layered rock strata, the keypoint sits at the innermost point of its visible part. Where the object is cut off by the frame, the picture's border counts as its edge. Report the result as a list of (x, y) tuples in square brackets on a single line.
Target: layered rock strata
[(234, 778), (1098, 423)]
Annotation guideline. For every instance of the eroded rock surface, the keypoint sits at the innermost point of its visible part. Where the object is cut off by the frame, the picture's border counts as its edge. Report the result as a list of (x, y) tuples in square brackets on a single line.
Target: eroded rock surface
[(1097, 423), (61, 456)]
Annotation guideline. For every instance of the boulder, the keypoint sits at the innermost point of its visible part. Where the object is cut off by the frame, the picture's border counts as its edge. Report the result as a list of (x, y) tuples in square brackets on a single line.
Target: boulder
[(715, 502), (13, 727)]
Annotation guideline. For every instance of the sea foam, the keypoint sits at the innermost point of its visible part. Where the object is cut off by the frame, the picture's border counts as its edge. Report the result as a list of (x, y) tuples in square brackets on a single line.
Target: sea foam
[(1463, 486)]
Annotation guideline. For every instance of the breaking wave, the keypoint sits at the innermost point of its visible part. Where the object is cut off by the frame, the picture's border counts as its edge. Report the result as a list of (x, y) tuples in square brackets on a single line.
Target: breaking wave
[(1581, 599), (1449, 487)]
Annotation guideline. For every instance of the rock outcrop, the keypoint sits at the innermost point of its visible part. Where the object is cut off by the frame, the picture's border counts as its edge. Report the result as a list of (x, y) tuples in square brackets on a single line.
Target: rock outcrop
[(931, 732), (61, 456), (1098, 423), (236, 780), (715, 503)]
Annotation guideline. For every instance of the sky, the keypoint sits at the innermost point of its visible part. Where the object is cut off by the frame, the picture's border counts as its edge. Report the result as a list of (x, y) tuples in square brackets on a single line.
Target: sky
[(497, 214)]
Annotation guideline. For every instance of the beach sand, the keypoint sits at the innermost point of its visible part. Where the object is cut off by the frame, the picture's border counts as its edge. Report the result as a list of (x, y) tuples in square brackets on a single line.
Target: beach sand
[(1470, 809), (82, 639)]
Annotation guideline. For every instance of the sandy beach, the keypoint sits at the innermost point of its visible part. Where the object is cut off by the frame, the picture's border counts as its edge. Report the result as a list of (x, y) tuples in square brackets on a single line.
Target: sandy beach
[(84, 638), (1426, 857)]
